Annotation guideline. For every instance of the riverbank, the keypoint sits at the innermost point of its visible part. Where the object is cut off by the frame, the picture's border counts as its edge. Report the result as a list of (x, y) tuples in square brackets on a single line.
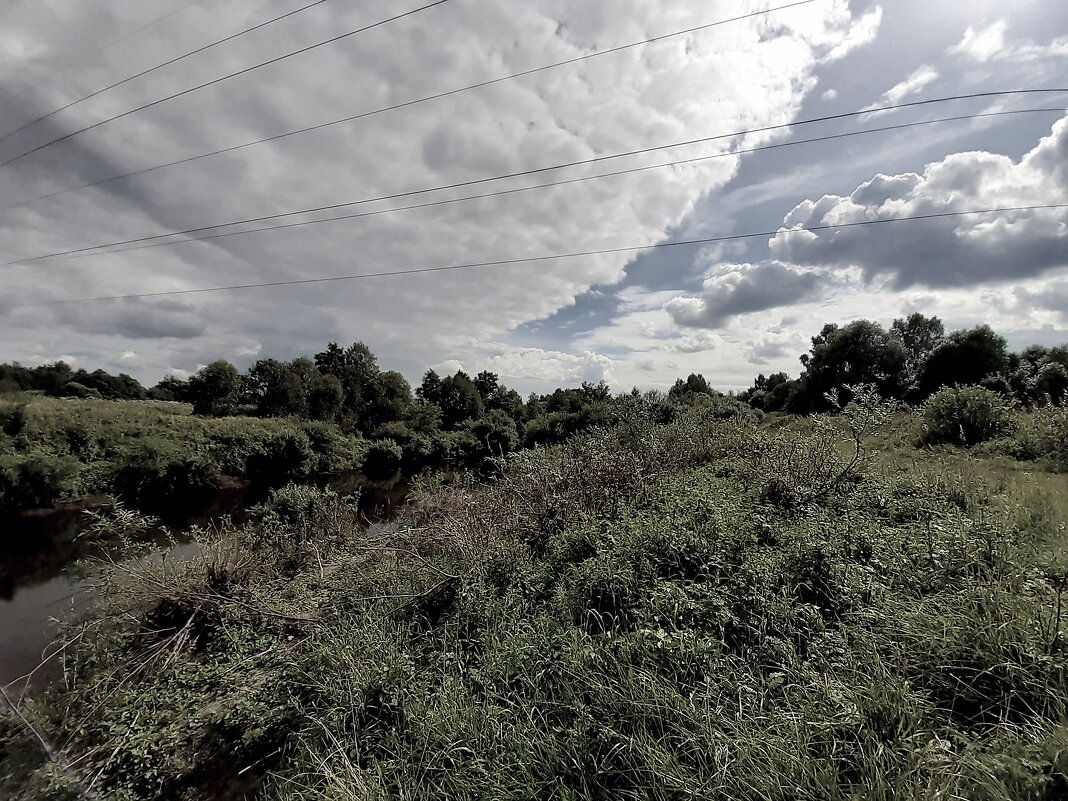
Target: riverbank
[(703, 609), (156, 456), (37, 588)]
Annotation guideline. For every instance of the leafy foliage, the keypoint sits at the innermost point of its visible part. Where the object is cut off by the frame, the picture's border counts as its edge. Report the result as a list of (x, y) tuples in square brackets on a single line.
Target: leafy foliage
[(965, 416), (619, 616)]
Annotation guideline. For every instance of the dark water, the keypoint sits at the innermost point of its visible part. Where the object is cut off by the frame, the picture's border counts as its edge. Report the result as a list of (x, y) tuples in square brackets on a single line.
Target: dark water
[(28, 618), (25, 629), (36, 589)]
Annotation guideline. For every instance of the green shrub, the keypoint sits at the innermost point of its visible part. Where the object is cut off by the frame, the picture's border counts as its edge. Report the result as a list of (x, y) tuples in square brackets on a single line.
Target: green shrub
[(158, 474), (73, 389), (603, 593), (285, 456), (299, 513), (35, 481), (383, 460), (1041, 436), (12, 418), (335, 452), (965, 416)]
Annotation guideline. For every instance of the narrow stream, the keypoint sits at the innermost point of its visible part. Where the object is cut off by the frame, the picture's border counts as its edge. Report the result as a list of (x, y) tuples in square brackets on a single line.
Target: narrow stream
[(36, 589)]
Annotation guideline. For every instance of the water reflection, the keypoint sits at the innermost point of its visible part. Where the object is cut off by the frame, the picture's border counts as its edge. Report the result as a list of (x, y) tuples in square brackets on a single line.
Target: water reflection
[(40, 545)]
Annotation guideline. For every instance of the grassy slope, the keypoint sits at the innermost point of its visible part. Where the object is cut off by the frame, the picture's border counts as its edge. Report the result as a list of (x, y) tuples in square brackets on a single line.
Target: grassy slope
[(642, 614)]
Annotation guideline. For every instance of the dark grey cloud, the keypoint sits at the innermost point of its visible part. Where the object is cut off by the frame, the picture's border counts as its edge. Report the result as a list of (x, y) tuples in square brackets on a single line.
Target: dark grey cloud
[(134, 319), (742, 289)]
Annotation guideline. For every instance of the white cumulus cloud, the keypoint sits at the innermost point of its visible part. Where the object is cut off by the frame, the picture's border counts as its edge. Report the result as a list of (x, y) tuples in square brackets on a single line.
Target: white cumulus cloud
[(949, 251)]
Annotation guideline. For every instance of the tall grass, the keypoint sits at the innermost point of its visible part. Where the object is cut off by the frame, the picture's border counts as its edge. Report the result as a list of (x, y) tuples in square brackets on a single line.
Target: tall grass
[(630, 615)]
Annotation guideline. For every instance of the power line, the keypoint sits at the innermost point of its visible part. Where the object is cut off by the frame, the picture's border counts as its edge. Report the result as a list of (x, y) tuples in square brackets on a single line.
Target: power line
[(522, 173), (409, 103), (223, 78), (544, 258), (175, 60), (582, 179), (121, 37)]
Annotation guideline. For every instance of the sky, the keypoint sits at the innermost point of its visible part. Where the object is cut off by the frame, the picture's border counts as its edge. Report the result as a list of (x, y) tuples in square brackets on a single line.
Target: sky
[(637, 317)]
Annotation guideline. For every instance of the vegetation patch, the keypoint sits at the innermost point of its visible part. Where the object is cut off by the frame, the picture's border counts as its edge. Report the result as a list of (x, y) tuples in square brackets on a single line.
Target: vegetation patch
[(625, 615)]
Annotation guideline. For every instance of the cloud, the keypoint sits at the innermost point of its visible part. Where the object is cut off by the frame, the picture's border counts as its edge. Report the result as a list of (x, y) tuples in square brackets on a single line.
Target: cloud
[(697, 342), (982, 44), (738, 289), (862, 32), (953, 251), (553, 367), (989, 44), (134, 319), (757, 72), (916, 82)]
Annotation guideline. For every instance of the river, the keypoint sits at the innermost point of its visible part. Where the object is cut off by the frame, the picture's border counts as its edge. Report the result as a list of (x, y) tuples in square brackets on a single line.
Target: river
[(37, 588)]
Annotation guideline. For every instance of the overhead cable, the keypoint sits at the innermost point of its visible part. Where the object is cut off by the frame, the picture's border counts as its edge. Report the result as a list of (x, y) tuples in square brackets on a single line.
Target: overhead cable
[(545, 258), (160, 66), (219, 80), (408, 103), (520, 173), (549, 184)]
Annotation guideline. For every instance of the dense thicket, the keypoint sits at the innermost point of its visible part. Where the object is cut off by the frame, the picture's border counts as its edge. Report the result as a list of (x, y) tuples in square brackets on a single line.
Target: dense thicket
[(60, 380)]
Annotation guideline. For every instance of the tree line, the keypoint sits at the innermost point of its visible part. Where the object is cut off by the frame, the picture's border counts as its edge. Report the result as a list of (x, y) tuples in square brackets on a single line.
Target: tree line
[(465, 420), (911, 361)]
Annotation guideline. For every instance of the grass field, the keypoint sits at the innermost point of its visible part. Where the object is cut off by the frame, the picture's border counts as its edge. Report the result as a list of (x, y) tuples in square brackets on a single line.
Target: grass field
[(707, 609)]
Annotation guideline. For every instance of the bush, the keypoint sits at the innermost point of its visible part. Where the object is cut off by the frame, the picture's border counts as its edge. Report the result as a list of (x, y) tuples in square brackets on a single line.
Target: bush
[(295, 515), (335, 453), (35, 481), (286, 456), (1041, 436), (383, 460), (73, 389), (965, 416), (12, 418), (158, 474)]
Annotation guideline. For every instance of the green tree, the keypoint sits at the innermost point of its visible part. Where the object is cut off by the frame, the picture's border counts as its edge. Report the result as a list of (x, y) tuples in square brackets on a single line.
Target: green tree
[(356, 368), (215, 389), (277, 389), (770, 393), (919, 335), (457, 396), (964, 358), (387, 398), (496, 395), (695, 384), (50, 378), (170, 389), (496, 435), (326, 398), (862, 352)]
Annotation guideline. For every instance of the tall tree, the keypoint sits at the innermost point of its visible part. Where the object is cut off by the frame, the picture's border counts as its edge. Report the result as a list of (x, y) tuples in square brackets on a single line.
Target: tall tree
[(356, 368), (214, 389), (862, 352), (919, 335), (695, 383), (964, 357)]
